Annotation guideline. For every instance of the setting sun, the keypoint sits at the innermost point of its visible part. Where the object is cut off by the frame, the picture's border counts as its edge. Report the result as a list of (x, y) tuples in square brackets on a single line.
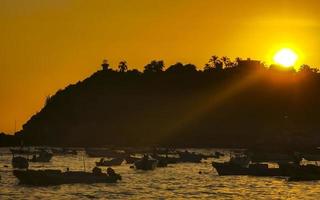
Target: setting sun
[(285, 57)]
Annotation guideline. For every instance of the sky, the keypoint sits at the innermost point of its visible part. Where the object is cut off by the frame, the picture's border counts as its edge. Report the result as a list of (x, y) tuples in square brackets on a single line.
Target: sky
[(47, 44)]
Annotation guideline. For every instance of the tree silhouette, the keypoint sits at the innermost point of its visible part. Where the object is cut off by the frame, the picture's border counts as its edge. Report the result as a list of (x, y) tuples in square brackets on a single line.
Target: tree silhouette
[(308, 70), (180, 68), (190, 67), (214, 64), (154, 66), (123, 66), (226, 62), (175, 68), (238, 59)]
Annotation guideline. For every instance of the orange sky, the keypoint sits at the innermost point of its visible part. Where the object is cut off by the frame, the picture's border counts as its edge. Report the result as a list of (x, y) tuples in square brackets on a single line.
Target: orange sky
[(47, 44)]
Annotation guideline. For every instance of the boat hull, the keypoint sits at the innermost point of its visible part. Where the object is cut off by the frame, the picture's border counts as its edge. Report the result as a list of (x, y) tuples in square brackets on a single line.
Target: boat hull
[(56, 177), (146, 164), (109, 163), (225, 169)]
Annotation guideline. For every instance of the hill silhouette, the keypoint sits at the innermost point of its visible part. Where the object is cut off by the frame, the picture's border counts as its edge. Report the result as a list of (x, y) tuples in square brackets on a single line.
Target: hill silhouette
[(237, 103)]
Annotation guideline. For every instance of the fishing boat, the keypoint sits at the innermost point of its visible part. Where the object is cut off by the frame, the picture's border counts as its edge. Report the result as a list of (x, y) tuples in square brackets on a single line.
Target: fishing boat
[(146, 163), (237, 165), (255, 169), (42, 156), (56, 177), (308, 172), (108, 163), (165, 160), (241, 165), (131, 159), (187, 156)]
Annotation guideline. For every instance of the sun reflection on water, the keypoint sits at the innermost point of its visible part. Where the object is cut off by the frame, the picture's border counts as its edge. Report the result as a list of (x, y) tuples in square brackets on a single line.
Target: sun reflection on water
[(178, 181)]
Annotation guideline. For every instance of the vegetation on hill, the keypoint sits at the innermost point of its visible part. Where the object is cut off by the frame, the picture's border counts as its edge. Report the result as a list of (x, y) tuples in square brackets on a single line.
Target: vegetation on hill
[(228, 104)]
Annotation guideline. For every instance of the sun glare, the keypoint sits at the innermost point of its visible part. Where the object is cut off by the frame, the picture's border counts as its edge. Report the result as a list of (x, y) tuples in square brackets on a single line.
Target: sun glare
[(285, 57)]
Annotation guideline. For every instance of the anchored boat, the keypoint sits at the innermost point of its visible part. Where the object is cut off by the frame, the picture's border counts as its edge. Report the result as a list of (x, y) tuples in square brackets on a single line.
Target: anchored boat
[(146, 163), (56, 177), (108, 163)]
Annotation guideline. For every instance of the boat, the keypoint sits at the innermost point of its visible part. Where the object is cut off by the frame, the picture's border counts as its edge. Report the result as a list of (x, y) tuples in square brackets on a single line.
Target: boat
[(165, 160), (255, 169), (304, 173), (241, 165), (263, 169), (56, 177), (131, 159), (237, 165), (227, 168), (146, 163), (108, 163), (186, 156), (20, 162), (42, 156), (162, 161)]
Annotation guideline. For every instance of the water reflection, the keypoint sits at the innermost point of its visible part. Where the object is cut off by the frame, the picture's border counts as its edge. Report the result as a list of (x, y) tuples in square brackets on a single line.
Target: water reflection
[(179, 181)]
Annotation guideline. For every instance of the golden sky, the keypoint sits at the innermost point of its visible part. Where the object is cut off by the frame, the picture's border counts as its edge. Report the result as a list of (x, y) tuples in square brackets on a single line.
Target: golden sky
[(47, 44)]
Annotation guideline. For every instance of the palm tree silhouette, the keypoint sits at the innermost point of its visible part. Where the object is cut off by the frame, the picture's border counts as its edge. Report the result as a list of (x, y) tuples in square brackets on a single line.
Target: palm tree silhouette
[(226, 62), (123, 67)]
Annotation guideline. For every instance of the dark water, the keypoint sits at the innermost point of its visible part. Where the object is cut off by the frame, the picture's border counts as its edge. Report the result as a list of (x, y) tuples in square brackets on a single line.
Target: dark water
[(180, 181)]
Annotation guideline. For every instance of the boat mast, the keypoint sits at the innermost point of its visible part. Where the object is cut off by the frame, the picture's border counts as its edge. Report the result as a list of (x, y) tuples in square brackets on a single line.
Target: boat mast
[(84, 163)]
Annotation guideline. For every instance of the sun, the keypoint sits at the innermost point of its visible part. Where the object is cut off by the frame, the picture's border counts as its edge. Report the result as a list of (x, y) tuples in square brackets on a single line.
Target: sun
[(285, 57)]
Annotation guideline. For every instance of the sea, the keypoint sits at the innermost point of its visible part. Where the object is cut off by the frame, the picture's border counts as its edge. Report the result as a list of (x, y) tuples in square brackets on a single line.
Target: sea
[(178, 181)]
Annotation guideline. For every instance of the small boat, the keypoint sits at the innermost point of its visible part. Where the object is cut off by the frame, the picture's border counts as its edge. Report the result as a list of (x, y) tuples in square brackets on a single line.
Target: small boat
[(131, 159), (227, 169), (56, 177), (304, 173), (260, 169), (256, 169), (163, 161), (20, 162), (42, 156), (242, 166), (186, 156), (108, 163), (146, 163), (238, 165)]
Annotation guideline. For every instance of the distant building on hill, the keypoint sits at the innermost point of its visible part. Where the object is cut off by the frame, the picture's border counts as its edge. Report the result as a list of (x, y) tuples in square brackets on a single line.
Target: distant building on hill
[(105, 65)]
